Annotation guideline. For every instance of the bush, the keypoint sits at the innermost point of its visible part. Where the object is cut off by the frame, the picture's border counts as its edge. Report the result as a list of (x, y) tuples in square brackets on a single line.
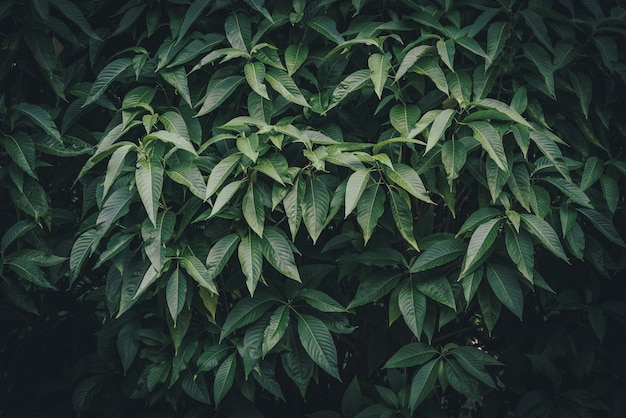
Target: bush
[(323, 208)]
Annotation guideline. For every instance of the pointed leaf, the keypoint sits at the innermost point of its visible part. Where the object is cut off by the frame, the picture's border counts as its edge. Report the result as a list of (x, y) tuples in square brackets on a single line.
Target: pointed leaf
[(379, 66), (104, 79), (251, 260), (412, 304), (149, 179), (318, 343), (407, 178), (255, 74), (403, 118), (438, 129), (278, 253), (423, 383), (356, 185), (540, 58), (176, 293), (411, 355), (370, 208), (403, 217), (21, 149), (351, 83), (285, 86), (519, 245), (411, 58), (40, 117), (177, 78), (224, 378), (315, 206), (238, 31), (219, 92), (326, 27), (279, 321), (481, 241), (491, 142), (253, 210), (81, 249), (604, 225), (502, 108), (245, 312), (320, 300), (506, 287), (438, 254), (295, 55), (220, 172), (544, 232)]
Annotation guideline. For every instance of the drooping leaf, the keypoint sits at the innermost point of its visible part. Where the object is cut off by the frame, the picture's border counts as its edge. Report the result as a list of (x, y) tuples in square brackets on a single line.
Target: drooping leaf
[(278, 253), (149, 179), (374, 287), (544, 232), (481, 241), (238, 31), (520, 248), (540, 58), (355, 187), (318, 343), (410, 58), (110, 73), (40, 117), (285, 86), (369, 209), (326, 27), (255, 74), (224, 378), (491, 142), (379, 66), (438, 129), (279, 321), (315, 206), (604, 225), (412, 304), (438, 254), (506, 287), (219, 255), (350, 84), (423, 383), (403, 217), (251, 260), (295, 55), (245, 312), (219, 92)]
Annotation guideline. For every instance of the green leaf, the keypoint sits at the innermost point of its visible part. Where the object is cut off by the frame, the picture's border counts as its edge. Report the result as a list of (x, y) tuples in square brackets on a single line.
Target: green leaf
[(110, 73), (471, 45), (550, 149), (220, 173), (258, 5), (82, 248), (245, 312), (403, 118), (491, 142), (453, 157), (211, 358), (583, 90), (369, 210), (477, 218), (190, 176), (115, 165), (255, 74), (178, 141), (471, 359), (411, 58), (326, 27), (592, 172), (497, 35), (315, 206), (379, 66), (351, 83), (403, 217), (408, 179), (506, 287), (610, 190), (295, 55), (318, 343), (277, 251), (320, 300), (496, 179), (251, 260), (357, 182), (74, 15), (411, 355), (219, 92), (540, 58), (438, 254), (544, 232), (285, 86), (604, 225), (275, 167), (460, 85), (248, 145), (176, 293), (436, 288), (374, 287), (519, 245), (238, 31), (423, 383), (191, 15), (569, 190), (279, 321), (40, 117), (219, 255), (412, 304), (149, 179), (431, 69), (502, 108), (14, 232), (293, 205), (519, 184), (438, 129), (446, 51), (21, 149), (115, 207), (177, 78), (29, 271), (224, 378), (194, 267), (481, 241), (253, 210)]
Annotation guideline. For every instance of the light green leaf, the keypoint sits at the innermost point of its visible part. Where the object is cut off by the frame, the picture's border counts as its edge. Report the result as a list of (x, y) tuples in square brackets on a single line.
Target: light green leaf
[(446, 51), (438, 254), (177, 78), (220, 173), (174, 139), (540, 58), (253, 210), (196, 269), (40, 117), (423, 123), (370, 207), (188, 174), (224, 378), (293, 205), (176, 293), (295, 55), (497, 35), (238, 31), (403, 217), (248, 145), (285, 86), (412, 304), (519, 245), (403, 118), (506, 287), (219, 92), (411, 58), (315, 206), (453, 157), (114, 208), (318, 343), (491, 142), (275, 167), (255, 74), (502, 108), (149, 180), (430, 68), (438, 129), (110, 73), (423, 383), (544, 232), (277, 251), (357, 182), (326, 27), (481, 241), (279, 321), (408, 179), (251, 260), (477, 218), (351, 83), (379, 66), (460, 86)]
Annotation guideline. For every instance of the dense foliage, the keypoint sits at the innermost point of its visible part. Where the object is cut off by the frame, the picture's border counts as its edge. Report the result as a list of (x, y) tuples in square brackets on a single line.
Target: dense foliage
[(326, 208)]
